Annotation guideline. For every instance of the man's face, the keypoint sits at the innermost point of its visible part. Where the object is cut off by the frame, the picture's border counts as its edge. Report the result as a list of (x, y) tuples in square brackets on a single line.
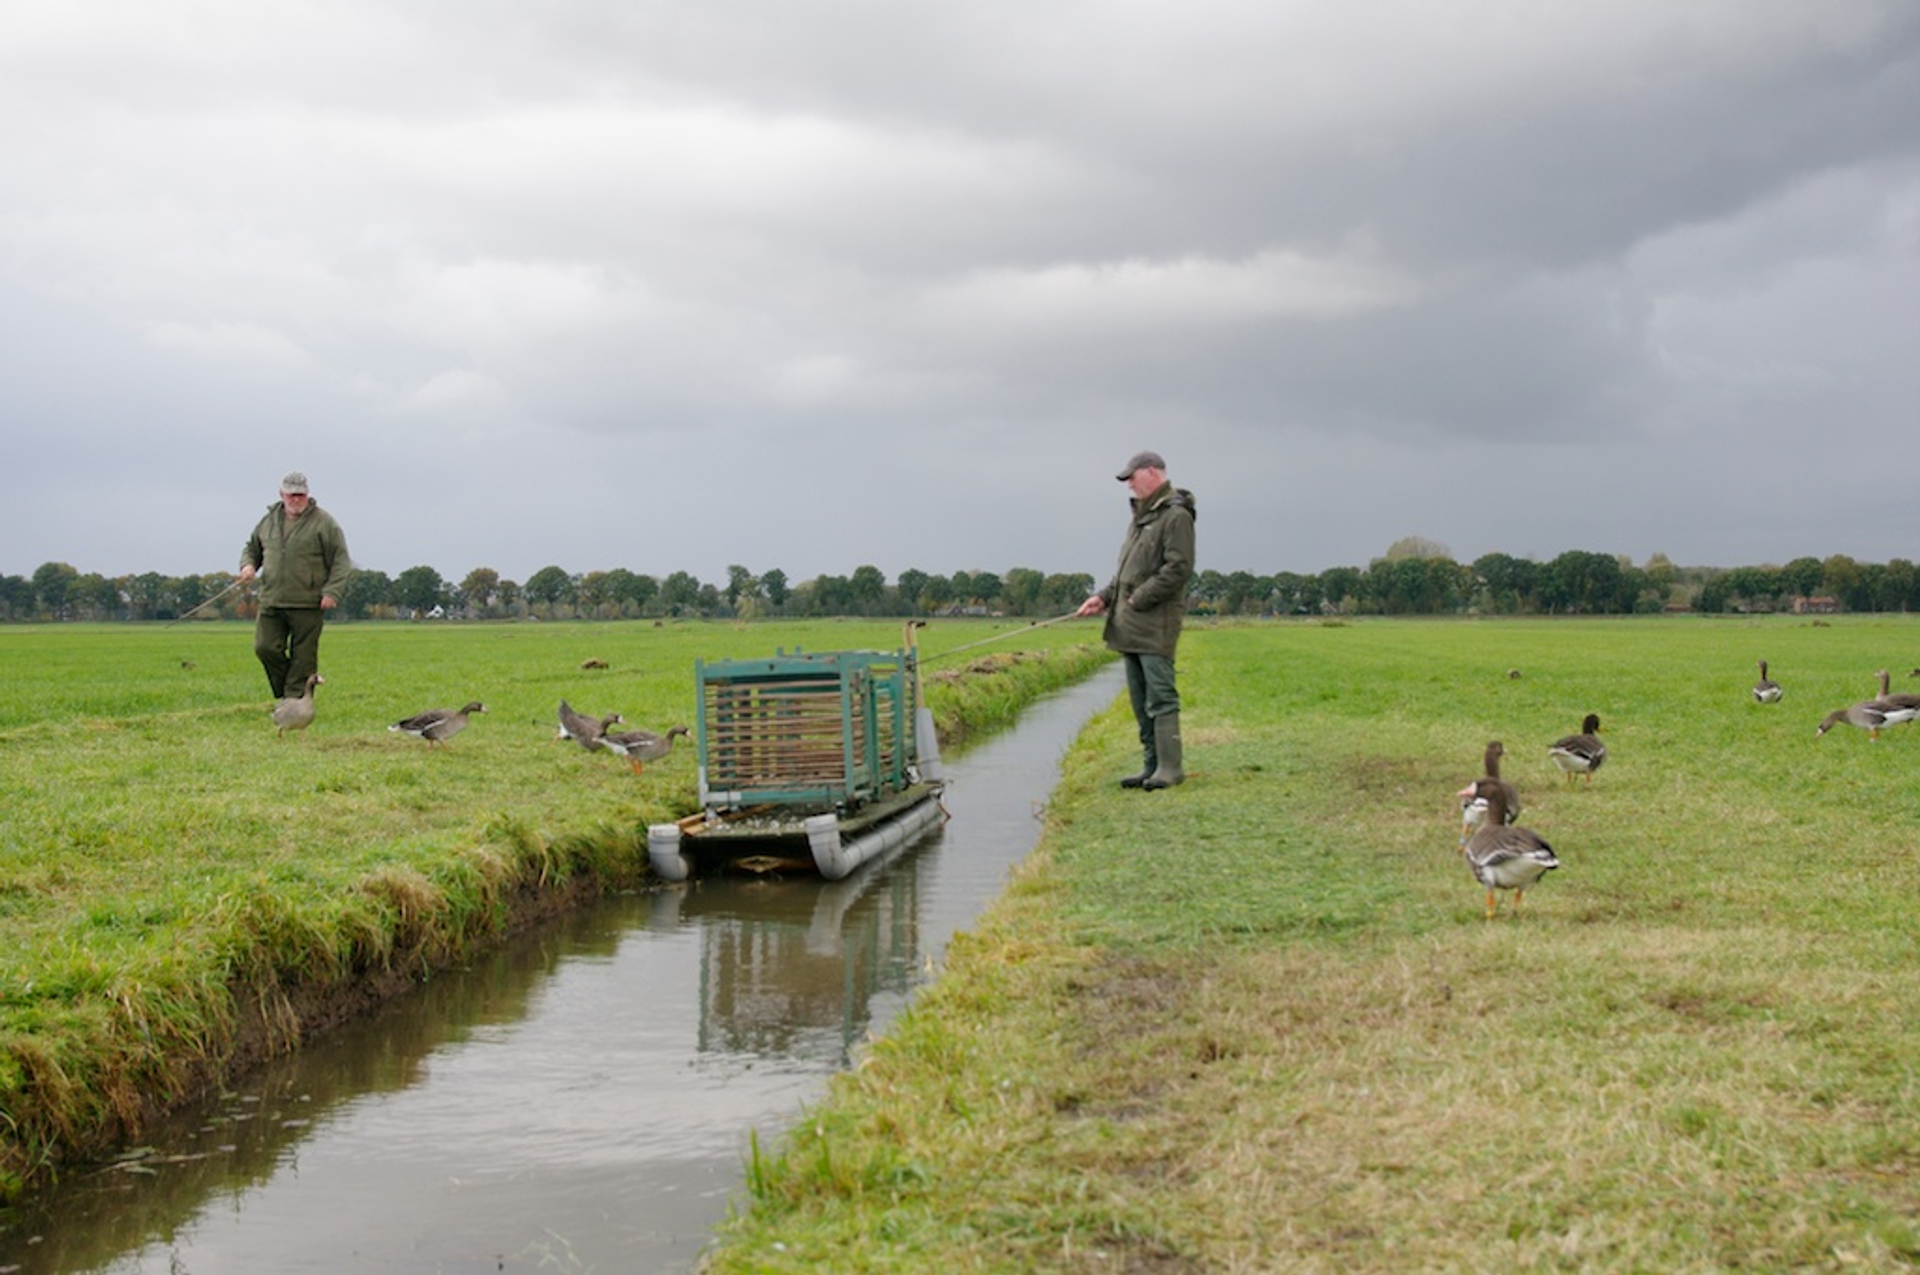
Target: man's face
[(1144, 482), (295, 501)]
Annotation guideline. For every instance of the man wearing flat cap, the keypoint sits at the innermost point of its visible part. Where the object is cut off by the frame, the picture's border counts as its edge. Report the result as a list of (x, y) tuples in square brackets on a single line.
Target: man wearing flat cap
[(1144, 605), (299, 554)]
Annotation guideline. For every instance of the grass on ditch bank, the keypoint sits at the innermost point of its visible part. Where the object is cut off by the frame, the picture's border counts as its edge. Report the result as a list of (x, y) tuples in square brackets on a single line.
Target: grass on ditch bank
[(1258, 1022), (181, 892)]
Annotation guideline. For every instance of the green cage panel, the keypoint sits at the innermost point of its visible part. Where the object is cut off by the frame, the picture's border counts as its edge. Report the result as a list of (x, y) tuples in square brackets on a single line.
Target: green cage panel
[(829, 729)]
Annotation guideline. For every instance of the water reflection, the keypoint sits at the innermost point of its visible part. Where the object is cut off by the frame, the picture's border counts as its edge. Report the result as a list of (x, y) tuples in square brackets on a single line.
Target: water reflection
[(581, 1099), (773, 986)]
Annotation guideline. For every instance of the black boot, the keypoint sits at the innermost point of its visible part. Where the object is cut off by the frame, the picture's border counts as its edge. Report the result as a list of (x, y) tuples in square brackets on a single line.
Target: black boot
[(1166, 746)]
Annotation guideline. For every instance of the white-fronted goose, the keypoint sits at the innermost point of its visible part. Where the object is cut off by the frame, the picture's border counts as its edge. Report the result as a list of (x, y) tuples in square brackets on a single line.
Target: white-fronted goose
[(1580, 754), (1504, 856), (641, 746), (582, 729), (295, 712), (1766, 690), (1867, 715), (1901, 707), (1473, 810), (438, 725)]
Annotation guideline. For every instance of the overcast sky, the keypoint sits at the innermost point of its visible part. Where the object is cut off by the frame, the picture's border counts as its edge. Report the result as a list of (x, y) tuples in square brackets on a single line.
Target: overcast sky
[(610, 283)]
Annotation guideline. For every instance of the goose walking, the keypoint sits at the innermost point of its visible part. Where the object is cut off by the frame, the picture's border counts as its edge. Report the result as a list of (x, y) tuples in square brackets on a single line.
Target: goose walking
[(1580, 754), (641, 746), (1504, 856), (1867, 715), (582, 729), (1766, 690), (295, 712), (437, 725), (1473, 809)]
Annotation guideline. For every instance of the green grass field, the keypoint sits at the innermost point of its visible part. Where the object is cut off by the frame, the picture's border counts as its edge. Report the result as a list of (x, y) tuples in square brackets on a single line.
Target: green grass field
[(181, 889), (1259, 1022)]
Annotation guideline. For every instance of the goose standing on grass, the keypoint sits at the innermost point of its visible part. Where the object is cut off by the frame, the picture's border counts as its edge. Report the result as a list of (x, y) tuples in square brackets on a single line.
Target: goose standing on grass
[(582, 729), (1900, 707), (438, 725), (1867, 715), (641, 746), (1504, 856), (1766, 690), (1580, 754), (295, 712), (1473, 810)]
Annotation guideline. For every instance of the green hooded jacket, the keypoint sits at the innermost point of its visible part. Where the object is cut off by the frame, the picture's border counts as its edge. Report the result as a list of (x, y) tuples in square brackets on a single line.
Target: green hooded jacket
[(298, 563), (1148, 595)]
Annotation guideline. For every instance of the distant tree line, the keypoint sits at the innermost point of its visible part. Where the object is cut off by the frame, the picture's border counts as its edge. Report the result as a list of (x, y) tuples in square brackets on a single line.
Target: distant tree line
[(1415, 577), (57, 591)]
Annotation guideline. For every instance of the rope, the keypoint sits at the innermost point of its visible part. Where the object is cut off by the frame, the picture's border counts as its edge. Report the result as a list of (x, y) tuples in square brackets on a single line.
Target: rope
[(999, 637), (204, 605)]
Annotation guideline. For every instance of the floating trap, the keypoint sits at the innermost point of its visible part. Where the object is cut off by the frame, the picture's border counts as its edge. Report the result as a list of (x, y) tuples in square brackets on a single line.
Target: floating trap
[(806, 750)]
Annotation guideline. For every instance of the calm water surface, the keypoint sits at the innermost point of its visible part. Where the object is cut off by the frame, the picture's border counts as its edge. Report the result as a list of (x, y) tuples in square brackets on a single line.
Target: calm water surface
[(581, 1101)]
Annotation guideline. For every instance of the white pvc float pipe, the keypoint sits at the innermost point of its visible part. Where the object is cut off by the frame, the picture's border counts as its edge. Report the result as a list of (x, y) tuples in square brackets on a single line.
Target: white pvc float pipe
[(836, 857), (663, 852)]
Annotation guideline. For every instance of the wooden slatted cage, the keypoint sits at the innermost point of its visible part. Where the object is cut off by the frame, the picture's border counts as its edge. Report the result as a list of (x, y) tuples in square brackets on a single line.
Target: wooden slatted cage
[(830, 729)]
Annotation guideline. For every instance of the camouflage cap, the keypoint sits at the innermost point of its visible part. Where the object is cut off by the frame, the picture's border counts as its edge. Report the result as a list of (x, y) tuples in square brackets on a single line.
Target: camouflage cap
[(294, 484)]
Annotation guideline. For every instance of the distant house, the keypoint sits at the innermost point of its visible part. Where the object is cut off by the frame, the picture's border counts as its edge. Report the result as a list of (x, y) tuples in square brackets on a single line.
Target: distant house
[(1815, 606)]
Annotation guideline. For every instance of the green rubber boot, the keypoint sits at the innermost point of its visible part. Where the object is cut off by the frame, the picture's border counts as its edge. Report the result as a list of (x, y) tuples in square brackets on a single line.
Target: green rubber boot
[(1166, 747)]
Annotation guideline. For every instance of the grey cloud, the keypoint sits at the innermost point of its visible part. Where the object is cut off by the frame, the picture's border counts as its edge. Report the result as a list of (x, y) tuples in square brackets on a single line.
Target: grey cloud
[(1652, 257)]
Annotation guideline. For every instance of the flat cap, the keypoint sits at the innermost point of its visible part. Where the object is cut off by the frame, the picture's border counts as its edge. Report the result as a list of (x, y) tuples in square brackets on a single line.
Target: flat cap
[(1142, 460)]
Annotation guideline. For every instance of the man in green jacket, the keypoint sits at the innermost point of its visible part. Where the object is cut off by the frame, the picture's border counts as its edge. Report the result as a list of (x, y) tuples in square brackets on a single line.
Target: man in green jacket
[(1144, 606), (299, 554)]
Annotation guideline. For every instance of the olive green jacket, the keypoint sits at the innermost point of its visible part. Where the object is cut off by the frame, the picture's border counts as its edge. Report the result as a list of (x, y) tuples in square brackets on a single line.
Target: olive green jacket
[(1148, 595), (301, 562)]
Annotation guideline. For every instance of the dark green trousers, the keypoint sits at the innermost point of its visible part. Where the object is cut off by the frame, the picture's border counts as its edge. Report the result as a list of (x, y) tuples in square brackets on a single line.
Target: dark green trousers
[(1151, 687), (287, 640)]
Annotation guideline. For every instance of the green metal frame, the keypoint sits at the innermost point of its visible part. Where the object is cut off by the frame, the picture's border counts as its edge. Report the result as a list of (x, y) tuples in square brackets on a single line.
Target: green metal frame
[(830, 729)]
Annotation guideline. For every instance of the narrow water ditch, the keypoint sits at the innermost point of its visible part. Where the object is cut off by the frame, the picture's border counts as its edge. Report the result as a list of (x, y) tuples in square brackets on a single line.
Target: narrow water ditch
[(581, 1100)]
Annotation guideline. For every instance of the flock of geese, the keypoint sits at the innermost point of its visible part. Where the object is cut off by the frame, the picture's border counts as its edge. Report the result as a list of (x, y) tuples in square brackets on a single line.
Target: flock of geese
[(1501, 853), (1506, 856), (1885, 709), (438, 725), (637, 746)]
